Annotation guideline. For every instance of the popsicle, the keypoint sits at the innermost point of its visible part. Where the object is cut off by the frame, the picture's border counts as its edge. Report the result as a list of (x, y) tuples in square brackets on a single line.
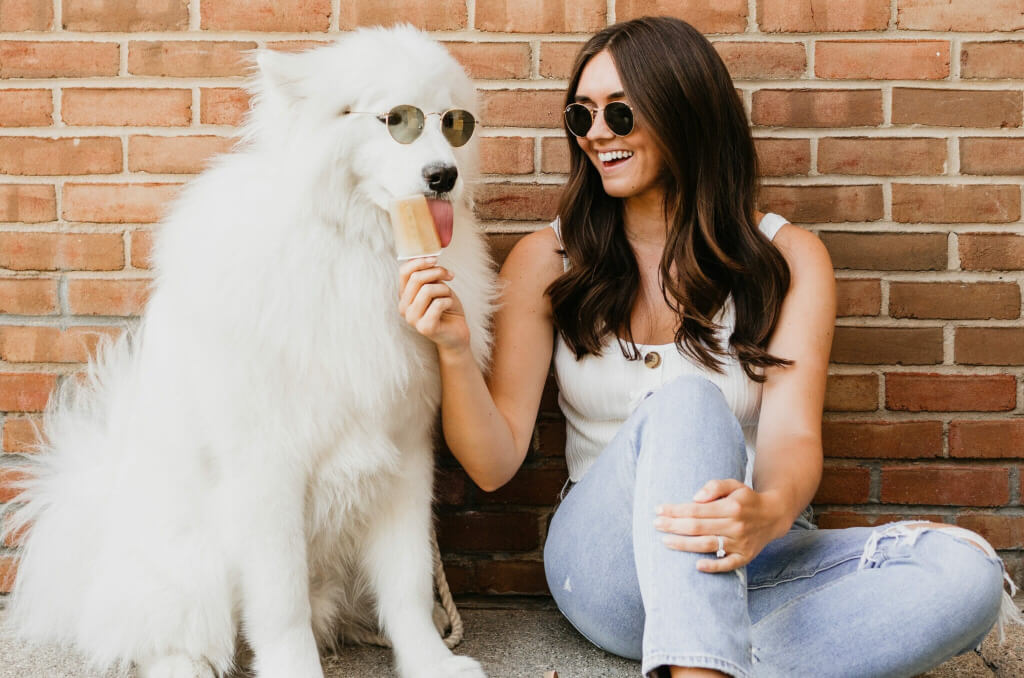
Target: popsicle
[(422, 227)]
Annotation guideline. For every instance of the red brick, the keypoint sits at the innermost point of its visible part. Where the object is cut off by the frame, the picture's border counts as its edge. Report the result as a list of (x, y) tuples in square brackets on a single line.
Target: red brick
[(959, 15), (944, 203), (817, 108), (516, 202), (945, 485), (141, 249), (881, 157), (36, 296), (843, 485), (125, 15), (992, 155), (30, 203), (506, 155), (127, 106), (882, 59), (887, 251), (838, 520), (450, 487), (429, 15), (707, 16), (540, 16), (512, 576), (522, 107), (500, 244), (120, 297), (174, 155), (25, 391), (223, 105), (887, 345), (992, 59), (954, 300), (529, 487), (763, 60), (554, 155), (783, 157), (998, 439), (991, 252), (1003, 532), (882, 439), (9, 479), (989, 346), (8, 571), (851, 393), (813, 16), (477, 531), (858, 297), (816, 204), (500, 60), (25, 15), (26, 59), (26, 108), (64, 156), (956, 107), (265, 15), (912, 392), (33, 344), (550, 433), (21, 434), (117, 203), (296, 45), (557, 58), (35, 251), (191, 58)]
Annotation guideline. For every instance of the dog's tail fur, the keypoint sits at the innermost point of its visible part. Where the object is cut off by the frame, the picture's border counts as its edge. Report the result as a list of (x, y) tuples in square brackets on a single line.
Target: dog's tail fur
[(91, 572)]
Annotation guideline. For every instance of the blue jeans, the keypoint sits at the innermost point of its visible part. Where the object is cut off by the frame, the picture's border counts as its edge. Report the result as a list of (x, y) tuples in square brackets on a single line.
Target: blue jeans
[(870, 602)]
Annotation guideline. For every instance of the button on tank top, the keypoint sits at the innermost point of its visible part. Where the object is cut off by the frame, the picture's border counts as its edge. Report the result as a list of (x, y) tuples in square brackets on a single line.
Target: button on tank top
[(598, 393)]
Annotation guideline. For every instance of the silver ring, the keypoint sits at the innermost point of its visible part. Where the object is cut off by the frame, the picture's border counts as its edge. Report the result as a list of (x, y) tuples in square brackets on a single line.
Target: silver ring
[(720, 553)]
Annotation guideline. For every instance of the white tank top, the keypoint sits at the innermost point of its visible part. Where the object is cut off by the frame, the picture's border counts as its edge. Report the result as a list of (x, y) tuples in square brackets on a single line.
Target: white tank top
[(598, 393)]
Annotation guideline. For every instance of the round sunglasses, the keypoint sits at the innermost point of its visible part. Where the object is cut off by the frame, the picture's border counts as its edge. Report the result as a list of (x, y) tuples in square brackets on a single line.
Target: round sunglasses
[(405, 123), (617, 115)]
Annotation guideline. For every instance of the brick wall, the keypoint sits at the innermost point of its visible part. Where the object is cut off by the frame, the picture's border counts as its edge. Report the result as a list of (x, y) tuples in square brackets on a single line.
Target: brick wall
[(892, 128)]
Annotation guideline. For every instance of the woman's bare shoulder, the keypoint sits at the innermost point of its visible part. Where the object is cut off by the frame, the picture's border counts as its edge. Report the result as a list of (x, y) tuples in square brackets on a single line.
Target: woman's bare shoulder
[(535, 259), (803, 251)]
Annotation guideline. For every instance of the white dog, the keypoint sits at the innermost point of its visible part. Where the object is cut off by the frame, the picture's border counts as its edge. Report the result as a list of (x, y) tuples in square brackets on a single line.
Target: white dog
[(257, 456)]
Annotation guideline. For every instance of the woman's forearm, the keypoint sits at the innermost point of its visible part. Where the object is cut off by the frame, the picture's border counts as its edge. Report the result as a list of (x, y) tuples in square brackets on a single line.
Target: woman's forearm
[(475, 430), (788, 478)]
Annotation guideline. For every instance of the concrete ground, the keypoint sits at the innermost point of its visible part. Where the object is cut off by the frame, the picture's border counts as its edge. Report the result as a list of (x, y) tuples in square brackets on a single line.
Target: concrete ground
[(512, 638)]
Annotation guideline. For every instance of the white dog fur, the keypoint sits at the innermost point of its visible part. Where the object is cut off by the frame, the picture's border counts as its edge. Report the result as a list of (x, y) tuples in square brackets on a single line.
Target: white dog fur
[(257, 456)]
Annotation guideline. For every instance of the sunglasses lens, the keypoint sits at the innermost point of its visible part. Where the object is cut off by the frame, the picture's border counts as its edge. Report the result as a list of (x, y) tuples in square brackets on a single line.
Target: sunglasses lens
[(619, 118), (457, 126), (405, 123), (578, 119)]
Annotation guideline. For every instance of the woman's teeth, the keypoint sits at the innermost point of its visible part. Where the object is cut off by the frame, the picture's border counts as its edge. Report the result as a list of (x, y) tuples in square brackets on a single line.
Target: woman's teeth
[(609, 156)]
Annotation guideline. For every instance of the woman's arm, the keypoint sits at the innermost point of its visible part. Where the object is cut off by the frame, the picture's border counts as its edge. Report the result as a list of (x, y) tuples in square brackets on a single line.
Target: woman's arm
[(787, 466), (488, 424)]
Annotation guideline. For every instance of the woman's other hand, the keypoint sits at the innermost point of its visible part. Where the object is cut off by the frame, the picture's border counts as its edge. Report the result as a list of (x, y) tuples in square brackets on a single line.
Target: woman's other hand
[(428, 304), (745, 519)]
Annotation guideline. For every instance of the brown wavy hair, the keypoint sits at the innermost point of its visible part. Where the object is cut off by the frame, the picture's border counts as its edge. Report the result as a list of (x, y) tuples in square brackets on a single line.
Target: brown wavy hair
[(681, 91)]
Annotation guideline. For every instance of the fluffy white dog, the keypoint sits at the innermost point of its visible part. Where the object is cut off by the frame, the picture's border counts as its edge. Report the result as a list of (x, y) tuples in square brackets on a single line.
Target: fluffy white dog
[(257, 456)]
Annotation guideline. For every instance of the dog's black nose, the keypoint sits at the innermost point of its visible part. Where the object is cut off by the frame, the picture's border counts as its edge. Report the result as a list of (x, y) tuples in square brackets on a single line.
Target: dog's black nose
[(440, 178)]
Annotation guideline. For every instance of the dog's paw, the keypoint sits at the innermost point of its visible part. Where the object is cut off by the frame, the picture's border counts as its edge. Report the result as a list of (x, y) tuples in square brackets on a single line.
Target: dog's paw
[(455, 667), (174, 666)]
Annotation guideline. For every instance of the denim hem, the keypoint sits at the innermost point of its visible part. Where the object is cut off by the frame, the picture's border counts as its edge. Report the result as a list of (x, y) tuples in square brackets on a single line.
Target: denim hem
[(655, 660)]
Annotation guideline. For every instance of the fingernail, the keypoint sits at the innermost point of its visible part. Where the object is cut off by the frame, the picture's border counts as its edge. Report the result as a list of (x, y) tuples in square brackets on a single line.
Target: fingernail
[(701, 495), (660, 522), (659, 509)]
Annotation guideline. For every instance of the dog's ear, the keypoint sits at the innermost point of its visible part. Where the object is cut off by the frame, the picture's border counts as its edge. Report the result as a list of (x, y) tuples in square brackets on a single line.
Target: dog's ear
[(280, 74)]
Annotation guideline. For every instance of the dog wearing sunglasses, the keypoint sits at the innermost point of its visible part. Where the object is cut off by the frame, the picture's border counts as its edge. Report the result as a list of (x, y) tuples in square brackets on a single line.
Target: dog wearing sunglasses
[(256, 456)]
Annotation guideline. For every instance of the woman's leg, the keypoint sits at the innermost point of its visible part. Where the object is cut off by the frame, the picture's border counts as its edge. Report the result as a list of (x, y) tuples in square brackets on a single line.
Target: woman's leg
[(892, 601), (607, 567)]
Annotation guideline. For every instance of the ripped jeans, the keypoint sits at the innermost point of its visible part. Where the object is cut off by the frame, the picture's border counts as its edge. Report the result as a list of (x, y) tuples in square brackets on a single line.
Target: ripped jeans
[(865, 602)]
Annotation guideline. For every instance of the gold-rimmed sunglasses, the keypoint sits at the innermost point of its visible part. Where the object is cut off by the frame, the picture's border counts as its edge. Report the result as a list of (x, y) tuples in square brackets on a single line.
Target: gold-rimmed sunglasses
[(405, 123)]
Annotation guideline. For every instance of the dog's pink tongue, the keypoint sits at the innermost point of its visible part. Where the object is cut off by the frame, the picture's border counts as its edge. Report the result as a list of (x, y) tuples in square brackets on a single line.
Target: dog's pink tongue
[(444, 215)]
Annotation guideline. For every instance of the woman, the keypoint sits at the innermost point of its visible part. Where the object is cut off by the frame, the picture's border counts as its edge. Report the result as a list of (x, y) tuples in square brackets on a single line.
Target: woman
[(687, 329)]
